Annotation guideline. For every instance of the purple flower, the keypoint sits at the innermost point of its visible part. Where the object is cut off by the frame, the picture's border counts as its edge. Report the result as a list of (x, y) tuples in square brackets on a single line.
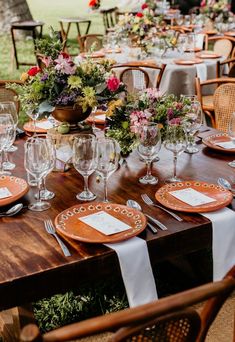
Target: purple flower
[(170, 113), (175, 121), (44, 78)]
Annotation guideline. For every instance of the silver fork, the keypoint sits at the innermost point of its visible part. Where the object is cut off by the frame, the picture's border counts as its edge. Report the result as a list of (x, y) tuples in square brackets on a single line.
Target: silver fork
[(148, 201), (51, 230)]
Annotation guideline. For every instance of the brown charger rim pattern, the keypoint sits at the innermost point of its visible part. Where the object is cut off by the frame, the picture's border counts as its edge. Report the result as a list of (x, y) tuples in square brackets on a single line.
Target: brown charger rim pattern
[(17, 186), (67, 222), (223, 197), (220, 137)]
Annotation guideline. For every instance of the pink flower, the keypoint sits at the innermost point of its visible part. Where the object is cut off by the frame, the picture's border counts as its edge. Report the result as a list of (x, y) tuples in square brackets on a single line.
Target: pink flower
[(138, 119), (113, 83), (153, 93), (203, 3), (64, 64), (175, 121), (47, 61)]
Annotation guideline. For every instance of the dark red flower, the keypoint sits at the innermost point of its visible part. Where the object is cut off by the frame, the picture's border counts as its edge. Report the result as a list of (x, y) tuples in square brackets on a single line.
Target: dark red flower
[(65, 55), (92, 3), (139, 14), (144, 6), (34, 71), (113, 83)]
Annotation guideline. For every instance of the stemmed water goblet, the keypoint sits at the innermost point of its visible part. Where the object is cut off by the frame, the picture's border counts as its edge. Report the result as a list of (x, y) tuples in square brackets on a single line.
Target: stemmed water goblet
[(85, 161), (192, 121), (7, 134), (176, 142), (9, 107), (46, 194), (38, 159), (231, 133), (149, 138), (107, 160), (33, 114)]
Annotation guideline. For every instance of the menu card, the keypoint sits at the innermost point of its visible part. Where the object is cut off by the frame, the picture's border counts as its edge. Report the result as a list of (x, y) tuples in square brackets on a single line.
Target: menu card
[(227, 145), (192, 197), (44, 124), (64, 153), (101, 117), (4, 193), (105, 223)]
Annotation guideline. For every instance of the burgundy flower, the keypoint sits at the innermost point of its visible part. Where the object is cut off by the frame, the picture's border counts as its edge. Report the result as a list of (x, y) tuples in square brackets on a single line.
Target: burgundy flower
[(175, 121), (144, 6), (113, 83), (34, 71)]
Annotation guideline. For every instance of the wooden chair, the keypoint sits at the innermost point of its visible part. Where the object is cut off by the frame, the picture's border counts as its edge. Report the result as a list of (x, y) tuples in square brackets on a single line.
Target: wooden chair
[(109, 18), (167, 319), (9, 94), (221, 45), (230, 71), (136, 74), (224, 105), (207, 100), (90, 40)]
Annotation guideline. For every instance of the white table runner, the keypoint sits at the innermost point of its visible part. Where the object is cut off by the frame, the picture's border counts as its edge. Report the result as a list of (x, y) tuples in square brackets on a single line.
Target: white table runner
[(223, 241), (136, 270)]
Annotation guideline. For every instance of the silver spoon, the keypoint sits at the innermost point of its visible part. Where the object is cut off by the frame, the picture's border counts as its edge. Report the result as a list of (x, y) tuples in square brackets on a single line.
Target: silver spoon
[(135, 205), (226, 185), (13, 210)]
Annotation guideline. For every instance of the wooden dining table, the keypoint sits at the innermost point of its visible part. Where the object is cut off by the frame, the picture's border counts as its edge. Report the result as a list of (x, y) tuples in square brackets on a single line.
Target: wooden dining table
[(32, 264)]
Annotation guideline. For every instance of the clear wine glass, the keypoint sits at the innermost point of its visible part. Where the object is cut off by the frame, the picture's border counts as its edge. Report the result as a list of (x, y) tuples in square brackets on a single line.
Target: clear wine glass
[(108, 153), (46, 194), (10, 108), (85, 161), (7, 130), (37, 161), (33, 114), (176, 142), (149, 137), (192, 122), (231, 133)]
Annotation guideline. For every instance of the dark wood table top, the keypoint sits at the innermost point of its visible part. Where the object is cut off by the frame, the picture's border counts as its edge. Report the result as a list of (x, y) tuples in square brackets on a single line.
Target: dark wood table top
[(32, 264)]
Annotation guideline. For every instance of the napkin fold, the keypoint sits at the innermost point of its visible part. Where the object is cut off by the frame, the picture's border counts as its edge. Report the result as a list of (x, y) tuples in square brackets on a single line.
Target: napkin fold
[(223, 241), (136, 270), (201, 71)]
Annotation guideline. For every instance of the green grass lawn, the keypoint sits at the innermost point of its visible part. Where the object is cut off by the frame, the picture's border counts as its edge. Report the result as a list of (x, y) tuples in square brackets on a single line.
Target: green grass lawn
[(49, 12)]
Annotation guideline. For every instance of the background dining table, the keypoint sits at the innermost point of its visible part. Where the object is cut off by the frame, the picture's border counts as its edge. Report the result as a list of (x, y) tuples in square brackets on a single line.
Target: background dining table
[(32, 265)]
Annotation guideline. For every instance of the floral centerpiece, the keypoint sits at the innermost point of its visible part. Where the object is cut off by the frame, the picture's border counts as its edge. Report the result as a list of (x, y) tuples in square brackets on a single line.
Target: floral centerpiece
[(137, 26), (213, 9), (62, 83), (94, 4), (125, 119)]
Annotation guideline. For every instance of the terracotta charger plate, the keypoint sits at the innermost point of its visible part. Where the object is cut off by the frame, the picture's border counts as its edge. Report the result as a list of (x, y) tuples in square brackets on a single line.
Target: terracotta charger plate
[(207, 55), (188, 61), (223, 197), (117, 50), (97, 118), (196, 49), (230, 33), (211, 141), (29, 127), (17, 186), (68, 223)]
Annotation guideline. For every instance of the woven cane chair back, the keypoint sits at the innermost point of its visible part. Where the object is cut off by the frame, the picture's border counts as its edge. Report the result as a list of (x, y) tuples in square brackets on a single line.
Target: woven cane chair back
[(88, 41), (224, 105), (9, 95), (135, 79)]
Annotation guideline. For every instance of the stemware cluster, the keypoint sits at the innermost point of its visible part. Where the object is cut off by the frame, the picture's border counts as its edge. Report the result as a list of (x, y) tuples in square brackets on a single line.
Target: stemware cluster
[(7, 136), (91, 154)]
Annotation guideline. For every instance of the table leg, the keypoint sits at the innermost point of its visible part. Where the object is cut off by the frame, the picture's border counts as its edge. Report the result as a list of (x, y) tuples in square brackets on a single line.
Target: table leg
[(14, 47)]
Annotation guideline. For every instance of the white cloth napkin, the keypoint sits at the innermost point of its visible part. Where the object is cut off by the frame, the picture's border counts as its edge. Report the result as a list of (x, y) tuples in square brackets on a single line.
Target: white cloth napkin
[(223, 241), (136, 270), (199, 40), (201, 71)]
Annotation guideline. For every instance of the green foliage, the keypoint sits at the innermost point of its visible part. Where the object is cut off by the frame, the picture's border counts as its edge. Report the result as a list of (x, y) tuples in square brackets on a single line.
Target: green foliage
[(77, 305), (50, 45)]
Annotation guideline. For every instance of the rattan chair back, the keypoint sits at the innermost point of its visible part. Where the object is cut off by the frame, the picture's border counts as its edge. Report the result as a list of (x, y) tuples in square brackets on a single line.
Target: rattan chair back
[(90, 41), (221, 46), (9, 95), (169, 319), (224, 105), (136, 75)]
